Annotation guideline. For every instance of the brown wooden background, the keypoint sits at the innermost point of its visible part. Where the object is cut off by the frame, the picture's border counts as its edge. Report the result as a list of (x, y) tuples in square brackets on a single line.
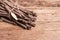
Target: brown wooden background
[(47, 25)]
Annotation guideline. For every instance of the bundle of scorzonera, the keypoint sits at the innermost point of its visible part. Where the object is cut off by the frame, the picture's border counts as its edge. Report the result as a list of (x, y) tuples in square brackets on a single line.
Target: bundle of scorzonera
[(10, 13)]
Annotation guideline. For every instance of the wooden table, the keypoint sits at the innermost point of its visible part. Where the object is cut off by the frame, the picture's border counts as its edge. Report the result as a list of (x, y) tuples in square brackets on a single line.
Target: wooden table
[(47, 27)]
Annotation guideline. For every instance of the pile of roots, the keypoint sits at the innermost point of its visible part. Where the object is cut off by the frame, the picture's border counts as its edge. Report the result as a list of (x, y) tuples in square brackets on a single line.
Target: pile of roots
[(14, 14)]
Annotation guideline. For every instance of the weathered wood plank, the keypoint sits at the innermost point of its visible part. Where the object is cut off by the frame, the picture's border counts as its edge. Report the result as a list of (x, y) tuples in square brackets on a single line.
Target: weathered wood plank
[(47, 28)]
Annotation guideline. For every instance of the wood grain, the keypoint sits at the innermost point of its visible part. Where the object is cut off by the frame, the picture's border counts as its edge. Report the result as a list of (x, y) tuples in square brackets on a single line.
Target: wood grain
[(47, 27)]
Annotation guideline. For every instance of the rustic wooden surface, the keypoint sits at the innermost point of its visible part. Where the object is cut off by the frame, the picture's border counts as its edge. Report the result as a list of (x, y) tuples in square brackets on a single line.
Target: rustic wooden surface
[(47, 27)]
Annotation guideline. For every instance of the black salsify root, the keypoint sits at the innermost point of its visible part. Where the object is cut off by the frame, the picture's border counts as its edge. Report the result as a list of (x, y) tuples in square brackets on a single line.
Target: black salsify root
[(25, 18)]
